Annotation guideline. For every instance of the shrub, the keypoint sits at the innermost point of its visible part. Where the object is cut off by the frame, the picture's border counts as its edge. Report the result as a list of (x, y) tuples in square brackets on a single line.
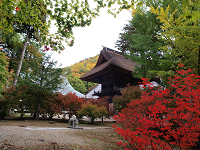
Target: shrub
[(127, 94), (92, 111), (164, 119), (103, 101)]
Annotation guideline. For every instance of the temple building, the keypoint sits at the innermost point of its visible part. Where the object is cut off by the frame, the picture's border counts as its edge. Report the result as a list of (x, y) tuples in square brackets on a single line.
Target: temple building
[(113, 71)]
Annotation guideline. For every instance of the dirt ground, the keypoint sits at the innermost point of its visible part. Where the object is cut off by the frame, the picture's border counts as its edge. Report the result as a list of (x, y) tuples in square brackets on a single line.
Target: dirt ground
[(83, 139)]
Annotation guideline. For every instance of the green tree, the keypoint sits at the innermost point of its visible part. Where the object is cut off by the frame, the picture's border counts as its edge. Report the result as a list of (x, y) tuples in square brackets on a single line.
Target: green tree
[(7, 7), (3, 72), (43, 79), (67, 70), (178, 24), (33, 18), (140, 43), (102, 112), (77, 84), (12, 44), (181, 31), (6, 101), (3, 82), (89, 85), (30, 19)]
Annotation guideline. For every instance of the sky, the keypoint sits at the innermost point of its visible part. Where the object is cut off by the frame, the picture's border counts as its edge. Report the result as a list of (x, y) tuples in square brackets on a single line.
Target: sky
[(103, 31)]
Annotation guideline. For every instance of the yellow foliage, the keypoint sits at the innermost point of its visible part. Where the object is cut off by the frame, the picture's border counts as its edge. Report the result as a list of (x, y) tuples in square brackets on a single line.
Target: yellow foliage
[(181, 30), (80, 68)]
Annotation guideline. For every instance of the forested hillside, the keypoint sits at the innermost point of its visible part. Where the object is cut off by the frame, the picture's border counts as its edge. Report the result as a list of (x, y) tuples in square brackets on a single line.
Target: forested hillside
[(76, 70)]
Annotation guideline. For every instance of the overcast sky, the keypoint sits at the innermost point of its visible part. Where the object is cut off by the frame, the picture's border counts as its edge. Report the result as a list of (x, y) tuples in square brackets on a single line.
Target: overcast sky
[(104, 30)]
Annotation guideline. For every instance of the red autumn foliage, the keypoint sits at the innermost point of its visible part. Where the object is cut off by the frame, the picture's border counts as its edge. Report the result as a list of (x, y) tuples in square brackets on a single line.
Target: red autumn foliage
[(102, 101), (72, 103), (17, 9), (166, 118), (56, 102), (46, 48)]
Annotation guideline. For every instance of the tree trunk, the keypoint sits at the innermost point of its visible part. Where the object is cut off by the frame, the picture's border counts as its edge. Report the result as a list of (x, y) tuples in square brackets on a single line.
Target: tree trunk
[(92, 120), (38, 106), (51, 116), (20, 62), (22, 111), (34, 115)]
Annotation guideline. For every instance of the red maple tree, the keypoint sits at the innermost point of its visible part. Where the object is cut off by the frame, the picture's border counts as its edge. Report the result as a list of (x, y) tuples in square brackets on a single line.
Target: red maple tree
[(165, 118), (56, 102), (72, 103), (69, 102)]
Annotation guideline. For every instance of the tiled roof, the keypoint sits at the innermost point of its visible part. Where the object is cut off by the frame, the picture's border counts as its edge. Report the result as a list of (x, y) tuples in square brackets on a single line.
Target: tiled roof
[(107, 58)]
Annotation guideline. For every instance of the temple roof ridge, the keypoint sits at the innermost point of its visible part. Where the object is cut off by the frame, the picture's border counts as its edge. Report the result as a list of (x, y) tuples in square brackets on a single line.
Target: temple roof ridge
[(111, 50)]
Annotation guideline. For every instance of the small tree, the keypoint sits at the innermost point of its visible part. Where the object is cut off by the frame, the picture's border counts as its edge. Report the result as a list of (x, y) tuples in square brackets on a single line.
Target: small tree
[(55, 104), (102, 112), (127, 94), (92, 111), (103, 101), (72, 103)]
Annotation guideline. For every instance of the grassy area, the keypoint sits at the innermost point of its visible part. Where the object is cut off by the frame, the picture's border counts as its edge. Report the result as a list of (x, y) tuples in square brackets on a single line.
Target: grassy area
[(18, 115)]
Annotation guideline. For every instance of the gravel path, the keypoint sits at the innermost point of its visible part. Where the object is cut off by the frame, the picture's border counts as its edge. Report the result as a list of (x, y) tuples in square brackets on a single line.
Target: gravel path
[(45, 138), (22, 137)]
